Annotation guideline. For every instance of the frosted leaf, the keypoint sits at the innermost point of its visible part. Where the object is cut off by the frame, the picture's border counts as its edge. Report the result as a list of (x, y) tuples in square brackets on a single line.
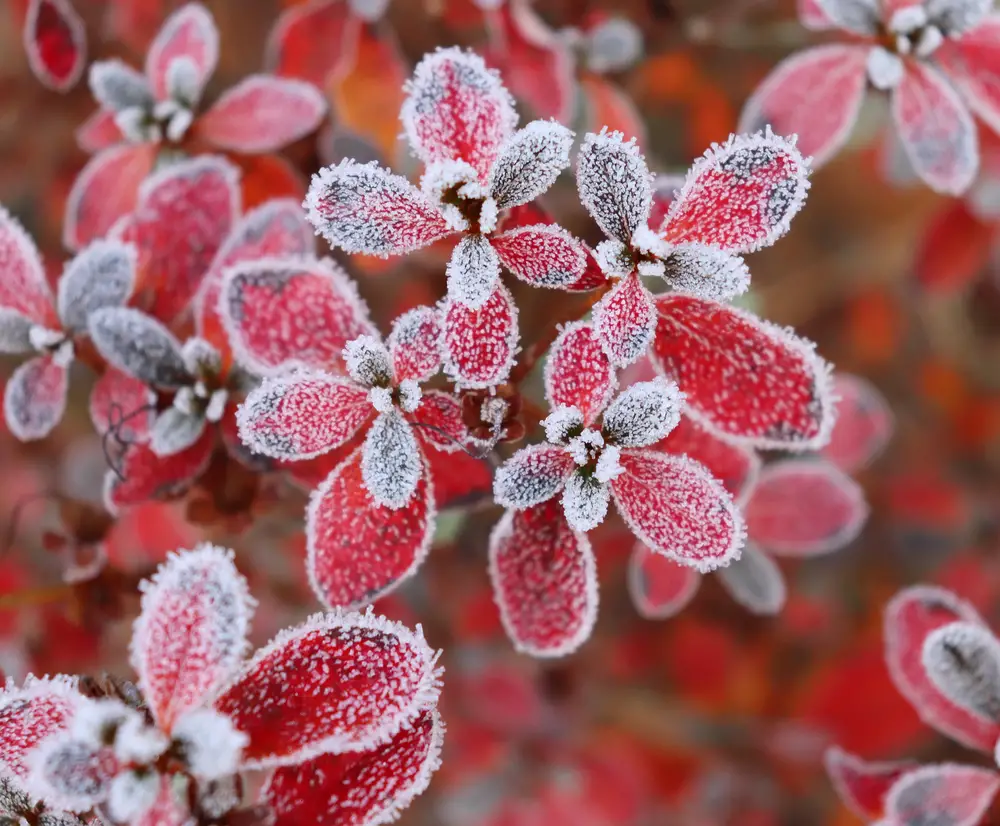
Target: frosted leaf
[(578, 373), (391, 462), (479, 345), (658, 586), (362, 208), (856, 16), (946, 794), (473, 272), (542, 255), (862, 785), (644, 413), (585, 501), (13, 800), (706, 272), (970, 63), (302, 415), (678, 509), (740, 196), (117, 86), (544, 581), (755, 582), (100, 276), (415, 344), (885, 69), (192, 632), (15, 332), (210, 746), (442, 418), (29, 715), (531, 476), (529, 163), (116, 400), (200, 358), (359, 788), (963, 662), (34, 399), (131, 794), (338, 682), (24, 286), (562, 424), (864, 425), (142, 475), (457, 109), (958, 16), (174, 431), (613, 45), (189, 32), (139, 345), (70, 774), (55, 41), (614, 183), (614, 258), (358, 550), (368, 361), (183, 82), (171, 805), (625, 321), (135, 741)]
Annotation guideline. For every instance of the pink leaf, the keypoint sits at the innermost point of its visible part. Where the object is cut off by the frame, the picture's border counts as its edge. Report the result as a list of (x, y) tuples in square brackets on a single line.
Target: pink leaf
[(358, 788), (141, 475), (24, 287), (479, 345), (755, 581), (625, 321), (578, 373), (308, 40), (439, 421), (29, 715), (284, 313), (614, 184), (190, 637), (744, 377), (124, 404), (71, 774), (189, 33), (863, 785), (972, 63), (302, 415), (98, 132), (740, 196), (56, 42), (359, 550), (338, 682), (675, 506), (415, 344), (815, 94), (946, 794), (457, 109), (543, 255), (804, 507), (105, 190), (910, 618), (35, 398), (658, 586), (262, 113), (362, 208), (864, 423), (936, 129), (533, 475), (544, 581), (736, 466)]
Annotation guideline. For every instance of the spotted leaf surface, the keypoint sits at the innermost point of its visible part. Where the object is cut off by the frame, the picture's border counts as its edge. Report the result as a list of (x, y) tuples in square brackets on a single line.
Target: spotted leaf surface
[(860, 784), (415, 344), (578, 373), (643, 413), (189, 33), (529, 163), (706, 272), (736, 466), (391, 460), (473, 272), (658, 586), (102, 275), (531, 476), (56, 42), (24, 287), (864, 424), (28, 715), (438, 421), (625, 321), (946, 793), (34, 399), (543, 255), (139, 345), (71, 774), (479, 345), (614, 183)]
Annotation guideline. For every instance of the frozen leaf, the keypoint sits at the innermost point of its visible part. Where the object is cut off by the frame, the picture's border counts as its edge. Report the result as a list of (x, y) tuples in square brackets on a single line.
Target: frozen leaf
[(358, 550), (544, 581), (531, 476), (543, 255), (804, 507), (473, 272), (971, 63), (338, 682), (35, 398), (56, 42), (117, 86), (625, 321), (675, 506), (368, 361), (706, 272), (141, 475), (479, 345), (910, 617), (741, 195), (860, 784), (936, 129), (15, 332), (28, 715), (956, 17), (361, 208), (13, 801), (169, 808), (139, 345), (815, 94), (98, 132), (946, 794), (812, 16), (736, 466), (585, 501), (578, 373), (644, 413), (963, 662), (415, 344), (190, 33), (302, 415), (529, 163), (457, 109), (359, 788), (100, 276), (71, 774), (391, 461), (864, 423), (175, 430), (658, 586), (124, 403), (131, 795), (262, 113), (755, 582), (439, 421), (614, 184), (856, 16), (24, 287), (743, 377), (287, 313)]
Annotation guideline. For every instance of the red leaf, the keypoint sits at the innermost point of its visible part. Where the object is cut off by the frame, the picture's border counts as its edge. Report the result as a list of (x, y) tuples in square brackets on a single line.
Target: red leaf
[(659, 587), (861, 785), (544, 255), (971, 62), (415, 344), (864, 423), (30, 714), (625, 321), (945, 794), (308, 40), (56, 42), (443, 413), (479, 345), (736, 466), (578, 373), (954, 250), (122, 403), (24, 286), (98, 132), (190, 33)]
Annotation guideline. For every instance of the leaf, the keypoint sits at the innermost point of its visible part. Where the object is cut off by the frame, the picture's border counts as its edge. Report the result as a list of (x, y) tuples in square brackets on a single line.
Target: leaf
[(415, 344), (56, 42), (28, 715), (123, 403), (100, 276), (190, 33), (24, 287), (479, 345), (578, 373), (175, 430), (970, 62), (542, 255), (142, 476), (946, 794), (35, 398), (658, 586), (533, 475), (855, 16), (860, 784), (864, 425), (953, 251), (736, 466), (625, 321), (614, 184), (755, 582), (473, 272), (962, 660), (391, 460), (643, 414), (308, 41), (529, 163), (139, 345)]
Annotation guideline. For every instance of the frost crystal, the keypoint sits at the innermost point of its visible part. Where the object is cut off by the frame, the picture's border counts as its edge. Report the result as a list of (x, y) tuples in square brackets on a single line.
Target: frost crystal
[(532, 475), (409, 395), (586, 447), (561, 423), (368, 362), (184, 81), (390, 460), (529, 163), (132, 794), (644, 413), (473, 271), (381, 399), (201, 358), (211, 746), (138, 345), (100, 276), (957, 16), (885, 69), (137, 742), (614, 183), (585, 502), (609, 466), (963, 661), (706, 272), (116, 86)]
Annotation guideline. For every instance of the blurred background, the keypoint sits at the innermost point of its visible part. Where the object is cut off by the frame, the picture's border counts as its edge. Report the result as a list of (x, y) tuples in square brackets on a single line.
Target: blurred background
[(713, 717)]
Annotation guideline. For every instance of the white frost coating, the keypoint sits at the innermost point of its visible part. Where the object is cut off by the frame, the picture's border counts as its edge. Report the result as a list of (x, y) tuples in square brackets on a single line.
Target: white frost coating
[(368, 362), (137, 742), (586, 447), (560, 423), (201, 358), (101, 275), (462, 342), (489, 216), (211, 746), (857, 16), (956, 17), (941, 793), (66, 774), (135, 125), (391, 462), (452, 175), (139, 345), (608, 465), (132, 794), (706, 272), (381, 399), (613, 45), (614, 258), (43, 339), (644, 413), (415, 343), (755, 581), (885, 69), (216, 407), (31, 408), (193, 17), (929, 41), (473, 271), (409, 395), (116, 86), (178, 125), (174, 431), (97, 721), (649, 243), (184, 81), (532, 475), (15, 332), (529, 163), (963, 661), (614, 184), (908, 19), (585, 502)]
